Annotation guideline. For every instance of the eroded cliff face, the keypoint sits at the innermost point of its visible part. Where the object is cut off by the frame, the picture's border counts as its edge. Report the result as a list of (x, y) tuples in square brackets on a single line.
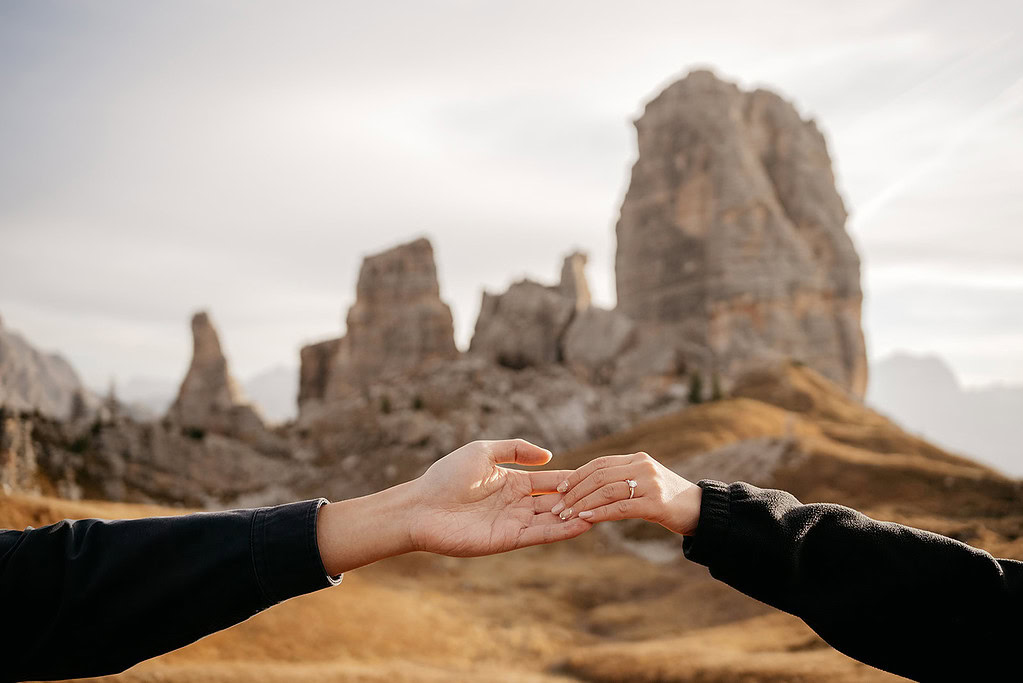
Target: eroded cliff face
[(34, 380), (733, 233)]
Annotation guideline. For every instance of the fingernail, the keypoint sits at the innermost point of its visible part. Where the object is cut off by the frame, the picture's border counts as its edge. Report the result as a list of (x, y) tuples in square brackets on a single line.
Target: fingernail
[(586, 514), (558, 508), (566, 514), (562, 487)]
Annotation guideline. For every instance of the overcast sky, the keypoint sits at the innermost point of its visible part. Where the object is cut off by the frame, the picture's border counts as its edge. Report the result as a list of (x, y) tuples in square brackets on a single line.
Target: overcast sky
[(160, 157)]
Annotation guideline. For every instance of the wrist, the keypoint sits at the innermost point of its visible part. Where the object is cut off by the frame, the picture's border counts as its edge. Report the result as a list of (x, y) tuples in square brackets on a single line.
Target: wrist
[(356, 532), (686, 513)]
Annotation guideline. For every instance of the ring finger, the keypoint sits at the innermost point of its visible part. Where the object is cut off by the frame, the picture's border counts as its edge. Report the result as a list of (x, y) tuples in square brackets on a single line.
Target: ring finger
[(587, 486), (605, 495)]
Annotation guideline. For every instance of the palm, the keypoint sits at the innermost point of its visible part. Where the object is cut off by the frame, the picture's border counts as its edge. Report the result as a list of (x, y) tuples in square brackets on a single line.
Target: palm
[(470, 506)]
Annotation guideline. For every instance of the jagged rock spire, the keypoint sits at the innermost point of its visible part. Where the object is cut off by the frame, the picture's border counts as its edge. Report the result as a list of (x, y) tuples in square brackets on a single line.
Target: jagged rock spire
[(209, 397)]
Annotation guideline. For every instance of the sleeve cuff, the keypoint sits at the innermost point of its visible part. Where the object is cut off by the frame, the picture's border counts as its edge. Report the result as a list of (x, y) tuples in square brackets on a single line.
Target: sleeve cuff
[(712, 530), (285, 555)]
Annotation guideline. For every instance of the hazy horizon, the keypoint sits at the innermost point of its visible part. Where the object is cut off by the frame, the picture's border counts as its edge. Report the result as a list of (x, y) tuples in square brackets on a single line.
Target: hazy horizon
[(242, 158)]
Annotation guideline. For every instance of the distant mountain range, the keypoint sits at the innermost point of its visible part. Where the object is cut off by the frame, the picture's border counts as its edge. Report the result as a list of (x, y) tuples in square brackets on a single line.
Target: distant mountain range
[(923, 394), (274, 391)]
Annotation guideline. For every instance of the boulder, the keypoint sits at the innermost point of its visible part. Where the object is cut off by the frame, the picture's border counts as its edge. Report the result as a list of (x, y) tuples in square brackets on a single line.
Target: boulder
[(522, 327)]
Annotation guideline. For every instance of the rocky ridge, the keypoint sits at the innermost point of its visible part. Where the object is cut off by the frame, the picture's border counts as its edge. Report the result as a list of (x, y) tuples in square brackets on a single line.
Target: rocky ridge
[(732, 253)]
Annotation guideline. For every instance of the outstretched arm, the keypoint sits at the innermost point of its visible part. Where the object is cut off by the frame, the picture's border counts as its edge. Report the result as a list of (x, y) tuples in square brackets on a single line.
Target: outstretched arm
[(901, 599), (94, 597)]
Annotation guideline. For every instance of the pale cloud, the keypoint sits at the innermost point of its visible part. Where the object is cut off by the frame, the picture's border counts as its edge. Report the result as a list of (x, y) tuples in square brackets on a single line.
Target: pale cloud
[(244, 156)]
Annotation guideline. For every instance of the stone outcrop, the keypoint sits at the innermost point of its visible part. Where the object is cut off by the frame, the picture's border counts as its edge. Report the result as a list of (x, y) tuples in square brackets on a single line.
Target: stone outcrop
[(522, 327), (525, 326), (732, 233), (33, 380), (209, 398), (398, 322)]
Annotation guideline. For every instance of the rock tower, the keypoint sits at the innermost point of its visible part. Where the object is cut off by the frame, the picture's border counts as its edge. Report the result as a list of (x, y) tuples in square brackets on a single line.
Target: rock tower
[(732, 231)]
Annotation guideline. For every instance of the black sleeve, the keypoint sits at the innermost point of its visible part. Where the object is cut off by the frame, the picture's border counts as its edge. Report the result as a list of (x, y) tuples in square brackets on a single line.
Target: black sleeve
[(92, 597), (901, 599)]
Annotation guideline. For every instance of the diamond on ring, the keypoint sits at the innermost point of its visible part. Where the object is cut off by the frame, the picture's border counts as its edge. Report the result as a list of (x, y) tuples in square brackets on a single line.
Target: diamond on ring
[(632, 487)]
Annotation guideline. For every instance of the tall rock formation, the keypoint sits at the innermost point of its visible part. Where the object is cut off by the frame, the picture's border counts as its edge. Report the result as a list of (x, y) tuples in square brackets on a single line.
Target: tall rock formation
[(398, 321), (209, 398), (732, 232), (33, 380)]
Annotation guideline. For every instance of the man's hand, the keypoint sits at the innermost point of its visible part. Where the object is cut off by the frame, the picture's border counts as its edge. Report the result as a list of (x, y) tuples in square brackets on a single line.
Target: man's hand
[(465, 505)]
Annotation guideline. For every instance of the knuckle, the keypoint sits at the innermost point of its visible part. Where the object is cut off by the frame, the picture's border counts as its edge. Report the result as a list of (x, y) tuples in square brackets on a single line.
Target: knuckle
[(622, 506), (607, 492), (599, 477)]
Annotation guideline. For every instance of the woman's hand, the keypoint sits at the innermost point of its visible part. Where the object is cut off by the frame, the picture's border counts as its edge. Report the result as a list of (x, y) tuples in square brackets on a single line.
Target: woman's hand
[(599, 491)]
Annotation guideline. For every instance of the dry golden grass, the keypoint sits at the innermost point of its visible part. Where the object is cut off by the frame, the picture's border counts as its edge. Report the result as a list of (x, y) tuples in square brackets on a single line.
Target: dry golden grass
[(586, 609)]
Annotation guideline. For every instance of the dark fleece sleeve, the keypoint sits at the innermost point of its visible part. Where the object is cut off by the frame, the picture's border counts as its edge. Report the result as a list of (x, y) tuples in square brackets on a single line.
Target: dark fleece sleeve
[(900, 599), (93, 597)]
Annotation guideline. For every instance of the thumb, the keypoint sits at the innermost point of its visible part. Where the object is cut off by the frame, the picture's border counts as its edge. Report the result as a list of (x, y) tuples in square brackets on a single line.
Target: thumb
[(518, 451)]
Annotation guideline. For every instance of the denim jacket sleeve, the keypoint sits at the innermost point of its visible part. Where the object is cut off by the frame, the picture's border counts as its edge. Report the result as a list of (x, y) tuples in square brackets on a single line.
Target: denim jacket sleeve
[(93, 597)]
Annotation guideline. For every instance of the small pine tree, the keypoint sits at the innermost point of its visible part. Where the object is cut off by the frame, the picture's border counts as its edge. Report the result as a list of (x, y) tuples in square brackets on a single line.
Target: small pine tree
[(695, 388), (78, 408), (385, 405), (417, 402), (111, 403), (715, 388)]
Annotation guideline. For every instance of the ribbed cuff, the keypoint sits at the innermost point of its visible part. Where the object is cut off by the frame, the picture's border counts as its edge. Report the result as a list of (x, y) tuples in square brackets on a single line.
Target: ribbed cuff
[(285, 555), (712, 530)]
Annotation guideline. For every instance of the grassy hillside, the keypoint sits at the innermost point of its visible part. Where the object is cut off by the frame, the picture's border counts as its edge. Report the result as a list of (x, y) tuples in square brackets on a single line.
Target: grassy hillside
[(593, 609)]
